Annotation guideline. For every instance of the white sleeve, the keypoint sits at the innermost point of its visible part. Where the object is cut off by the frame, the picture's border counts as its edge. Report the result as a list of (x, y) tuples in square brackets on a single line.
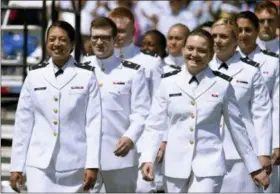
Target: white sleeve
[(24, 122)]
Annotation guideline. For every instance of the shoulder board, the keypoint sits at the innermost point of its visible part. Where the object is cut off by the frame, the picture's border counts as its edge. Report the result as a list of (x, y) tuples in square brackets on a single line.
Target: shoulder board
[(131, 65), (149, 53), (270, 53), (175, 67), (85, 65), (250, 62), (221, 75), (41, 65), (170, 73)]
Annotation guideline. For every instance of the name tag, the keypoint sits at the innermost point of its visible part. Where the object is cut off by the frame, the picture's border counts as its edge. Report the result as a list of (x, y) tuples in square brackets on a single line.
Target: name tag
[(240, 81), (215, 95), (176, 94), (40, 88), (119, 83), (265, 72), (77, 87)]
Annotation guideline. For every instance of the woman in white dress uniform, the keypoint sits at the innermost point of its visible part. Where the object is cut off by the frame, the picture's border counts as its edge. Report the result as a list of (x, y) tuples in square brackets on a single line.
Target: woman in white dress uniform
[(191, 103), (57, 128)]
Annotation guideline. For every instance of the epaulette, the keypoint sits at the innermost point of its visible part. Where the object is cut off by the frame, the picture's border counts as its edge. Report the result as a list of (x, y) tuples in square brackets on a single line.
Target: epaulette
[(131, 65), (175, 67), (41, 65), (249, 61), (270, 53), (221, 75), (85, 65), (149, 53), (170, 73)]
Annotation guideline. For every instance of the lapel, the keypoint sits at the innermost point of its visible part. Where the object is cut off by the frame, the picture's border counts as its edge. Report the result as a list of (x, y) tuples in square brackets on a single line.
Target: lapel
[(66, 77), (235, 68), (49, 75), (182, 82), (206, 82), (259, 57)]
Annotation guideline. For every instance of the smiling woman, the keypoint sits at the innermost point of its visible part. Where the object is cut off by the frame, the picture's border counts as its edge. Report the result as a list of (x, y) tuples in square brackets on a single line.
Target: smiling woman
[(189, 105), (58, 121), (60, 42)]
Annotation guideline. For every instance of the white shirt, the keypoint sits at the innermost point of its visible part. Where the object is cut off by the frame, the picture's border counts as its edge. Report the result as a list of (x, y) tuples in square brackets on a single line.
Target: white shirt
[(125, 105), (271, 45), (254, 102)]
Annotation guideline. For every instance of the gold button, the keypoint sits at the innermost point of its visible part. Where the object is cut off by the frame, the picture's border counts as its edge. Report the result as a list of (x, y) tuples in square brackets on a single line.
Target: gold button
[(55, 122), (55, 110), (191, 142), (191, 129), (193, 102), (54, 133), (193, 116), (100, 84), (55, 99), (221, 125)]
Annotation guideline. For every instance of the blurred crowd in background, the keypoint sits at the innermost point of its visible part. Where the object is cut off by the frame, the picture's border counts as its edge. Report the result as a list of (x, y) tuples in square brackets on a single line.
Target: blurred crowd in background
[(160, 15)]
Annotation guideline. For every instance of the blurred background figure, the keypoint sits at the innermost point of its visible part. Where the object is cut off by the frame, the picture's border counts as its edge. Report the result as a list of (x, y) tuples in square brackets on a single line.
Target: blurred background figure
[(155, 42), (268, 15)]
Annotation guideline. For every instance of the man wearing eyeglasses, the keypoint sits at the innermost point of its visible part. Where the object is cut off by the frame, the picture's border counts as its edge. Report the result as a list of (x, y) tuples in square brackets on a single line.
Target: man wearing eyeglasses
[(127, 50), (125, 105), (267, 13)]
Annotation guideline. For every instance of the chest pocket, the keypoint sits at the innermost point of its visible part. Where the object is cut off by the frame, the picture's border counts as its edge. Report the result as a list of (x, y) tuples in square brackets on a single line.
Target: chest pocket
[(78, 91), (242, 89), (210, 105), (117, 97)]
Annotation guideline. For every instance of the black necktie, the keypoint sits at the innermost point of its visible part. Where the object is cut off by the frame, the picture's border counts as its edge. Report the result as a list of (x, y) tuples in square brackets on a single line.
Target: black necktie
[(223, 65), (193, 79), (60, 71)]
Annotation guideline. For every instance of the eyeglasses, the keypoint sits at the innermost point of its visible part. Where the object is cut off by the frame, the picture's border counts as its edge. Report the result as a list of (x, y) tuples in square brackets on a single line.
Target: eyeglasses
[(269, 21), (103, 38)]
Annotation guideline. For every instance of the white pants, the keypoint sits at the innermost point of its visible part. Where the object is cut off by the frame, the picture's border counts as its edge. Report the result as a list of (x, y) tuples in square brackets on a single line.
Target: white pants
[(274, 186), (159, 177), (237, 178), (49, 180), (192, 184), (117, 181), (144, 186)]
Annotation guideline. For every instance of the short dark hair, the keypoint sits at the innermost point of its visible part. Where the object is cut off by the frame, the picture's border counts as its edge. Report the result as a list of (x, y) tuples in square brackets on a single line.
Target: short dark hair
[(204, 34), (250, 16), (161, 40), (66, 27), (104, 22), (266, 5)]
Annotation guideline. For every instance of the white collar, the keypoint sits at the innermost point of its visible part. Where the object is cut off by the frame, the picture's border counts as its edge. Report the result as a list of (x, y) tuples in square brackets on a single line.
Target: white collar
[(56, 68), (125, 52)]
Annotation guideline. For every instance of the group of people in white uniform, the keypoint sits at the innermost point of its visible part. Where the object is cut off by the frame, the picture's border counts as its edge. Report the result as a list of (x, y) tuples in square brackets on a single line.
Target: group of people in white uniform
[(202, 118)]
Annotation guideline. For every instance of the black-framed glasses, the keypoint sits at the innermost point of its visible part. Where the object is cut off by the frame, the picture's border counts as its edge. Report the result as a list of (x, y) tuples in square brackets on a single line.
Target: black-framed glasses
[(103, 38), (269, 21)]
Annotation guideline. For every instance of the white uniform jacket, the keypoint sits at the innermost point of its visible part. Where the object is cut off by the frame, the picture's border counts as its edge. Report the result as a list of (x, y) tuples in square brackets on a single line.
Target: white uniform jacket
[(269, 66), (254, 102), (150, 61), (125, 106), (194, 141), (272, 45), (67, 114)]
